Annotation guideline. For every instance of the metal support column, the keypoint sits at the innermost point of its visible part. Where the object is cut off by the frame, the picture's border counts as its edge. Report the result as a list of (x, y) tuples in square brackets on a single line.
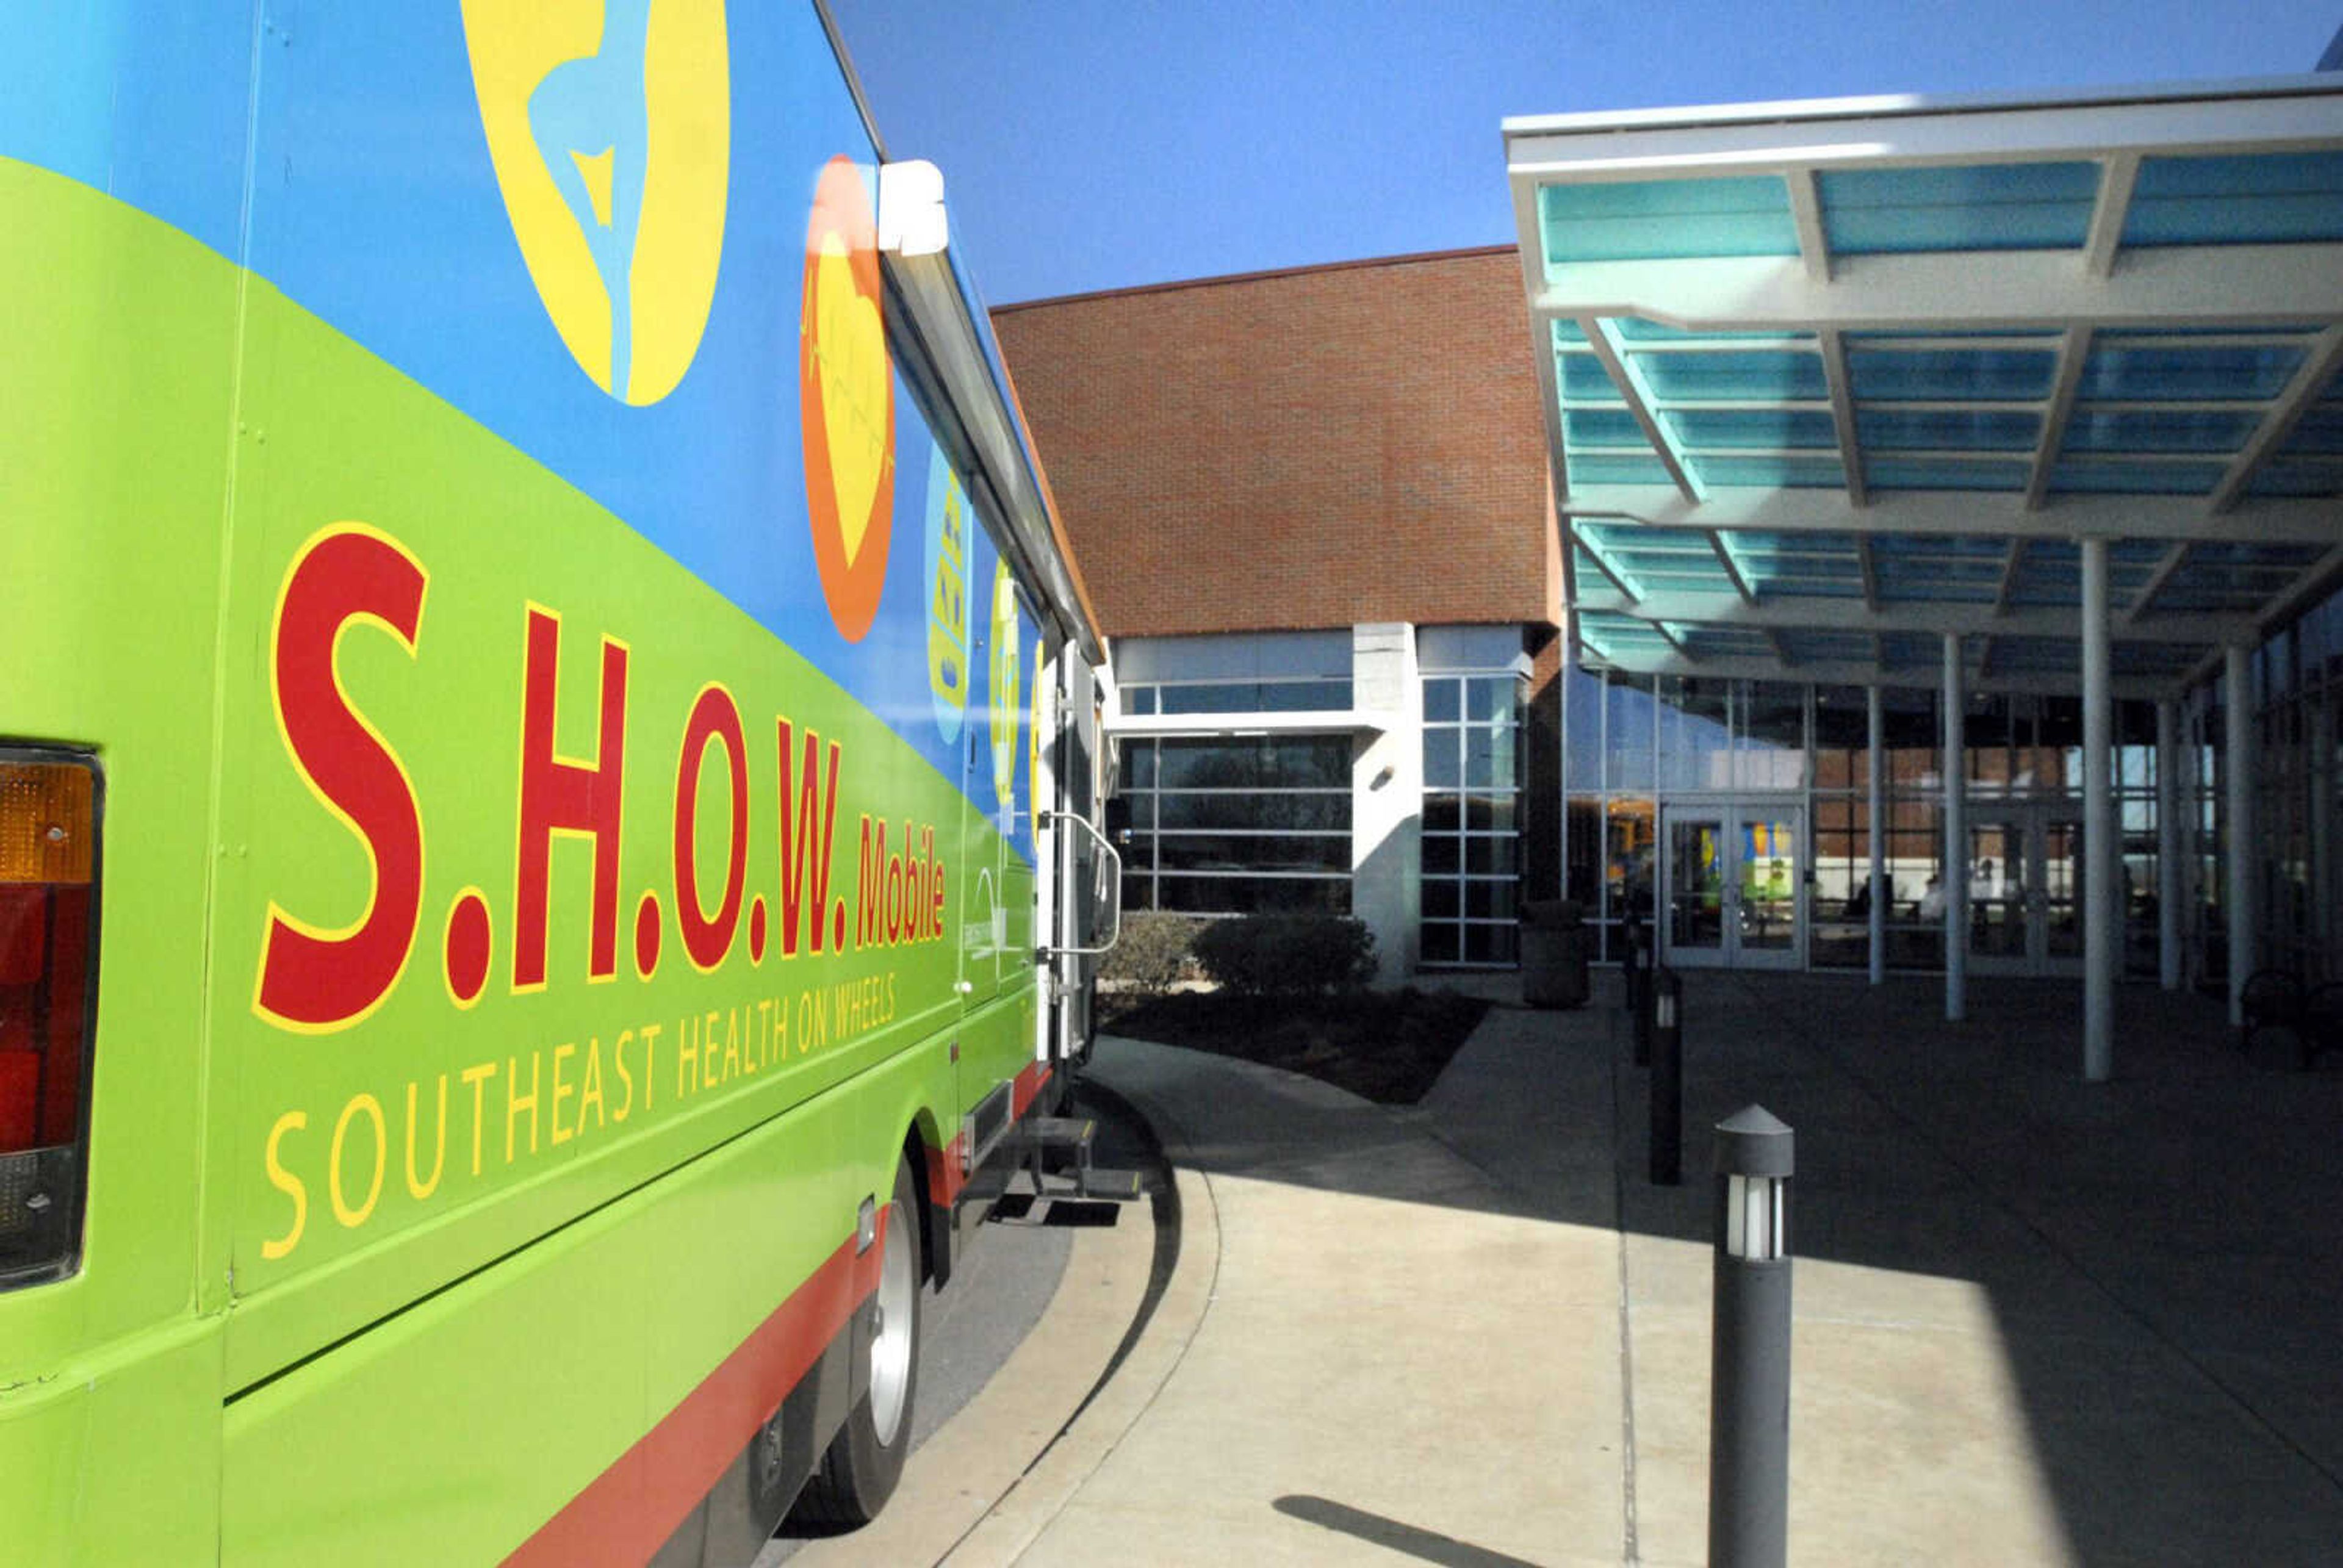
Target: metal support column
[(2237, 810), (1874, 783), (1952, 768), (2323, 913), (2103, 912), (2167, 844), (2195, 784)]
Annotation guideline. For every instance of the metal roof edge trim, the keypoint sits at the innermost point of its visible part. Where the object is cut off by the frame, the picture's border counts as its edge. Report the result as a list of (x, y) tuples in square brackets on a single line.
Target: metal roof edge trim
[(1885, 104), (1229, 725), (1264, 275)]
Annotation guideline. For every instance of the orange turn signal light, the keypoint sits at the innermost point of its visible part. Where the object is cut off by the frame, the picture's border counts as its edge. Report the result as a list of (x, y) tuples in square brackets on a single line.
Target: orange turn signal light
[(48, 823)]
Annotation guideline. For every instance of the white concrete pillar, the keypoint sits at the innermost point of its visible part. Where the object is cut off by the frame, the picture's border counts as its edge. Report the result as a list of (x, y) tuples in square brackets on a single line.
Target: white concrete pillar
[(2103, 919), (1875, 793), (1387, 796), (1952, 768), (2238, 806), (2167, 844)]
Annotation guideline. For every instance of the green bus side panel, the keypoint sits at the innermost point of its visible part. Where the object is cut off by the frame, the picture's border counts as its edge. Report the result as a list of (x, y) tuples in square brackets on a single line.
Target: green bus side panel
[(562, 1094), (318, 454), (121, 1464), (452, 1431), (116, 390)]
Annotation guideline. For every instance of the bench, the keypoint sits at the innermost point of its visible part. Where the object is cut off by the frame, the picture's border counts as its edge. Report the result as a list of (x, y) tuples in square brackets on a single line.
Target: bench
[(2276, 999)]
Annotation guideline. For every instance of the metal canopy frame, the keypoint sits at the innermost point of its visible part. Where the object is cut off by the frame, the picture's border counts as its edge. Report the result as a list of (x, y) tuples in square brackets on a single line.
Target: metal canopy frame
[(1819, 376)]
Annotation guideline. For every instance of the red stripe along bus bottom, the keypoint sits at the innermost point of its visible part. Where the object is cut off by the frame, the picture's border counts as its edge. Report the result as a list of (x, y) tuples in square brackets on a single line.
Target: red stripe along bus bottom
[(626, 1512), (948, 1166)]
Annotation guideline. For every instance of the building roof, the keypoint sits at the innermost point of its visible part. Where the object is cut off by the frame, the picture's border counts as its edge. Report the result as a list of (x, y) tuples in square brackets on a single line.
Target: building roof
[(1314, 447), (1824, 381)]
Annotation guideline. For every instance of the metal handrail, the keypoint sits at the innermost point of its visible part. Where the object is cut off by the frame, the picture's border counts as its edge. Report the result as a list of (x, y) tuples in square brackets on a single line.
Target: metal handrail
[(1114, 855)]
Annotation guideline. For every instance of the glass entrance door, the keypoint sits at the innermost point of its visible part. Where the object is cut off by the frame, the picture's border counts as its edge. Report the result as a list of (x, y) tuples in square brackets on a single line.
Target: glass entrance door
[(2059, 911), (2025, 861), (1770, 930), (1734, 886), (1696, 872), (2000, 921)]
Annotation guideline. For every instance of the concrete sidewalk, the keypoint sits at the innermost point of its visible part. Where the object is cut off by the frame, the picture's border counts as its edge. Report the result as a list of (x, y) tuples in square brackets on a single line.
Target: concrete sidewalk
[(2037, 1321), (1395, 1354)]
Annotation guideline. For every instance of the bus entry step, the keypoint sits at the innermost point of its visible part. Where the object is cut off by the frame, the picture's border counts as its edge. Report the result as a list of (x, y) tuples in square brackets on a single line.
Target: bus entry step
[(1067, 1140), (1115, 1186)]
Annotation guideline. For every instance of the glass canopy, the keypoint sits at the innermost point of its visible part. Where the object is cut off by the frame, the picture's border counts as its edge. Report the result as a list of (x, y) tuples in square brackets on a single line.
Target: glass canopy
[(1827, 381)]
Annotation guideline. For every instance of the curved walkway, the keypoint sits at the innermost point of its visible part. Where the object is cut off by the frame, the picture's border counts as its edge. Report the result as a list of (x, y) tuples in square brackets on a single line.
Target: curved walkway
[(1396, 1353), (2037, 1322)]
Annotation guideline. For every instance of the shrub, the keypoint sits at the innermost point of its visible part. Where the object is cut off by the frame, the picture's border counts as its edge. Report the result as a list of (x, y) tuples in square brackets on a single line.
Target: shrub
[(1155, 950), (1283, 955)]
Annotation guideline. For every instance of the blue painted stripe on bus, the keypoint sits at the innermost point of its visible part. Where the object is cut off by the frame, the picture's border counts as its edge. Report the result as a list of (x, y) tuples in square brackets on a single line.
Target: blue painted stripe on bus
[(148, 104), (374, 206)]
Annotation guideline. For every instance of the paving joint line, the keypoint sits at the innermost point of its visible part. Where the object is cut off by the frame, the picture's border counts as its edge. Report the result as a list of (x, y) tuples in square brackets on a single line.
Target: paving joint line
[(1630, 1547), (1429, 1123)]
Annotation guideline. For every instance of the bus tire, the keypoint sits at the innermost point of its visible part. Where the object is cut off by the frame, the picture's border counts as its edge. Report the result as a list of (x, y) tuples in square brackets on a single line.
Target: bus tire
[(859, 1471)]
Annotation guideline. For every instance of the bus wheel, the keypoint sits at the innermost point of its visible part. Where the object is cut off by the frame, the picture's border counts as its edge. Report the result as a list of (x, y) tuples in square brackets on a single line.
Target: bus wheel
[(865, 1460)]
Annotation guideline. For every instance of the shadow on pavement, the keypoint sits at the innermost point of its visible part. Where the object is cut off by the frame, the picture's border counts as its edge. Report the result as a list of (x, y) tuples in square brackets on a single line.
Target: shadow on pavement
[(2159, 1258), (1424, 1545)]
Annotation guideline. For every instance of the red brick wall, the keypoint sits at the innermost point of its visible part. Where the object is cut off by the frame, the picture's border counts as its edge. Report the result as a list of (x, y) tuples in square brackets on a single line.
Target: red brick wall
[(1292, 450)]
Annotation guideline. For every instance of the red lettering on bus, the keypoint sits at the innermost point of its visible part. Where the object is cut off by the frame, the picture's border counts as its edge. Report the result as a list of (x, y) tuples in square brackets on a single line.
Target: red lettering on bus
[(714, 717), (560, 795), (871, 885), (805, 853), (312, 977)]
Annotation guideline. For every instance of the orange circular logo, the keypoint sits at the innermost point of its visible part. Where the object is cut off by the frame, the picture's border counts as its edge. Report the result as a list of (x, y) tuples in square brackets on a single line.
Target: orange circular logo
[(846, 395)]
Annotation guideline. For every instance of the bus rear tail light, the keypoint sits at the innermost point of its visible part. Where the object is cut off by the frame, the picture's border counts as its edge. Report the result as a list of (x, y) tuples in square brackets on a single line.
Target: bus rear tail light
[(49, 803)]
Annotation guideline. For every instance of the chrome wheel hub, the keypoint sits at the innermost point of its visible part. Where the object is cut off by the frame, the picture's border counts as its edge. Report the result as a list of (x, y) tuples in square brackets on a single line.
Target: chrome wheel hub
[(891, 1328)]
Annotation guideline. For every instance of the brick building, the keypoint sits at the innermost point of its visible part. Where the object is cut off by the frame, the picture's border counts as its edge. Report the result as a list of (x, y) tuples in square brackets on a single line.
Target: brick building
[(1354, 709)]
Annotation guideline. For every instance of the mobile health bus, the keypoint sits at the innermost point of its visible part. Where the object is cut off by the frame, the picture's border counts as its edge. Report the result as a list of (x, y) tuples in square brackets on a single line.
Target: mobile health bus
[(548, 753)]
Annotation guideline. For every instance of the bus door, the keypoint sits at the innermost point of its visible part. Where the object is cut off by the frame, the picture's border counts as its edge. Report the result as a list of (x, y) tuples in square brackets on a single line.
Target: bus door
[(1082, 922), (995, 815), (1044, 754), (997, 934)]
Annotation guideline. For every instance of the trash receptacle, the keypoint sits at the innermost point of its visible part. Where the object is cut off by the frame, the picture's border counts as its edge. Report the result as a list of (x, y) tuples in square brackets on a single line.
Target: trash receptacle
[(1554, 954)]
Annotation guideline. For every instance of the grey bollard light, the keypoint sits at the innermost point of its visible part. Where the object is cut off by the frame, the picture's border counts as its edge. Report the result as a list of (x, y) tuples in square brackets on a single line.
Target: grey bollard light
[(1639, 990), (1749, 1366), (1667, 1077)]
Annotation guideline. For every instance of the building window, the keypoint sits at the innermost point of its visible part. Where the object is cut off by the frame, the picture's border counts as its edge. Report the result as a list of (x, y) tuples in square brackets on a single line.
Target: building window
[(1237, 827), (1276, 694), (1472, 817)]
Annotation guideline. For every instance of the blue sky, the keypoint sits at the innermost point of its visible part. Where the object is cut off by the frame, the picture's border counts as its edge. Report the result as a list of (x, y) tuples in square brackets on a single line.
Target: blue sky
[(1100, 144)]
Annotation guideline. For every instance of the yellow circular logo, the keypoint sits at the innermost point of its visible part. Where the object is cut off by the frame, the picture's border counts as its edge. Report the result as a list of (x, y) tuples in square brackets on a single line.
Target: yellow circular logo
[(1040, 722), (1007, 707), (609, 123)]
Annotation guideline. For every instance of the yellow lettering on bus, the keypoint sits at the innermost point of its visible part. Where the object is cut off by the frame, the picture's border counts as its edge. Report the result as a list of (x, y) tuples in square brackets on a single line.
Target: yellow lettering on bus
[(517, 1103), (352, 1216), (687, 1056), (477, 1076), (285, 1181), (626, 1078), (589, 1087), (561, 1089), (417, 1188)]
